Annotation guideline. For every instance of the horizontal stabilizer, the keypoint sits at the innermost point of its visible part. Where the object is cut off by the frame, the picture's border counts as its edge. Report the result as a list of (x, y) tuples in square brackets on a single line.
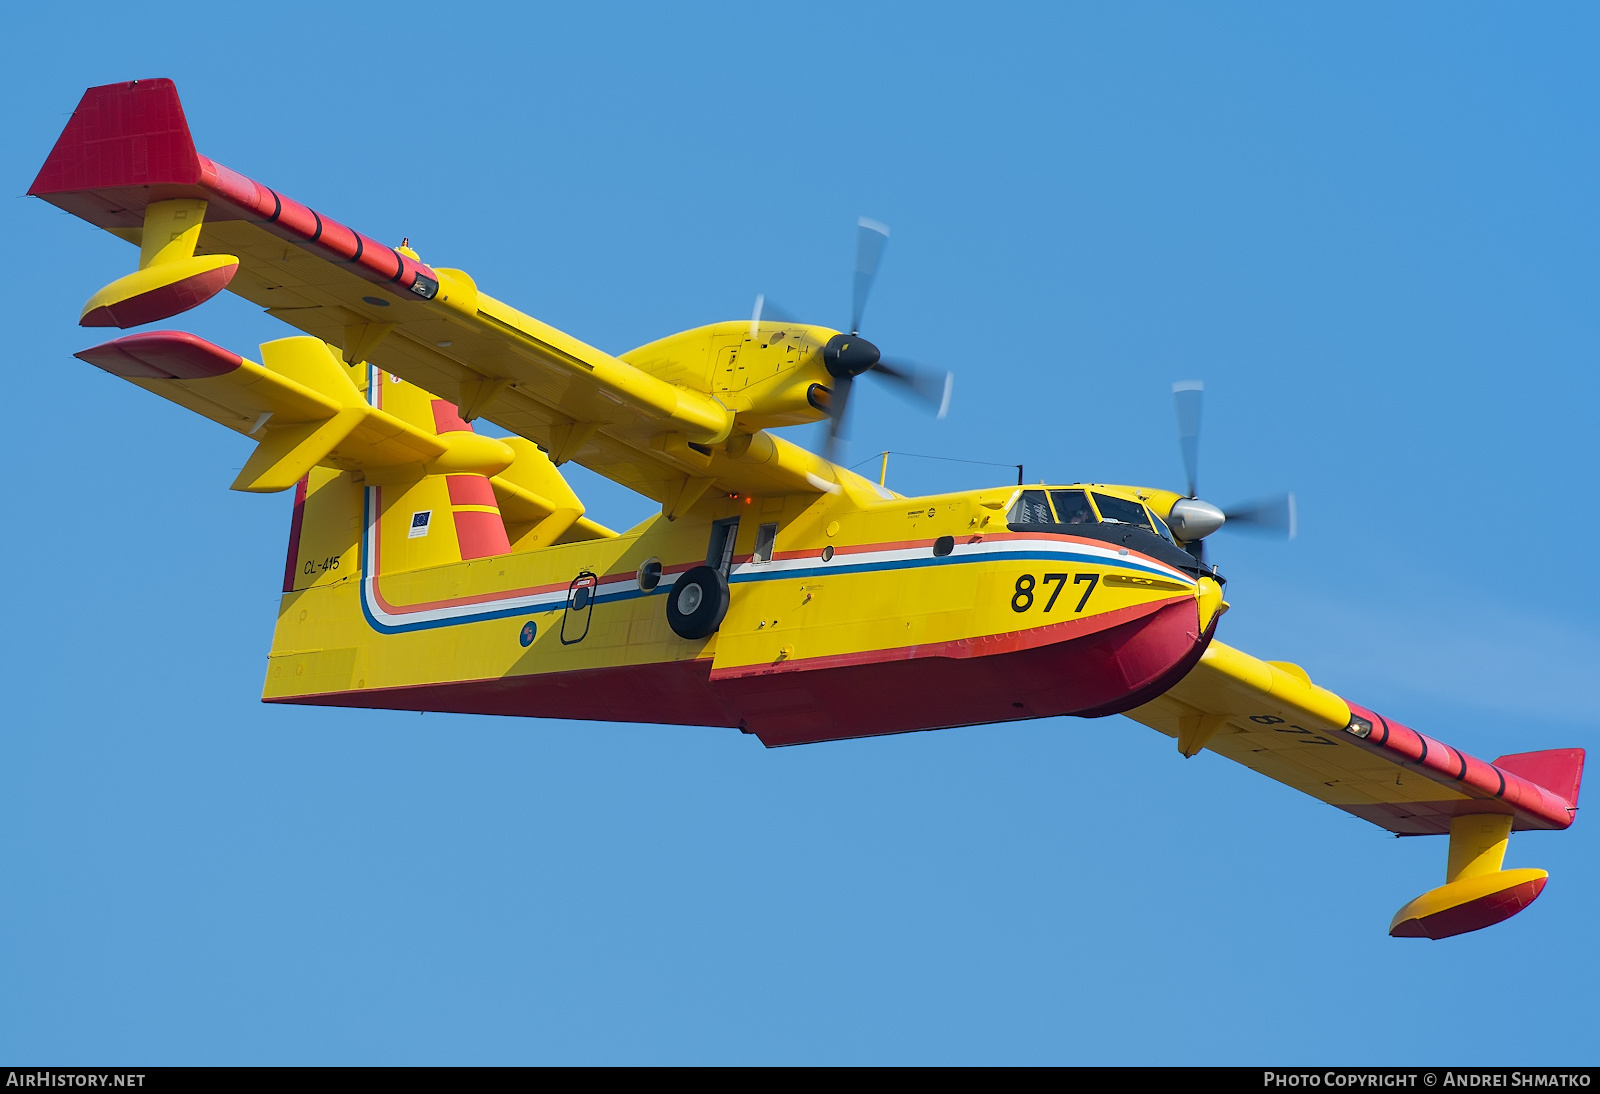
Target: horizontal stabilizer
[(302, 406), (288, 453), (162, 355)]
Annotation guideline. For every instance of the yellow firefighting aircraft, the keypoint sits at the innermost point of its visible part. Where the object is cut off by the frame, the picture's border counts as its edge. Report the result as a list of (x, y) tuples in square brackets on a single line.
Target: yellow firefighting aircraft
[(432, 568)]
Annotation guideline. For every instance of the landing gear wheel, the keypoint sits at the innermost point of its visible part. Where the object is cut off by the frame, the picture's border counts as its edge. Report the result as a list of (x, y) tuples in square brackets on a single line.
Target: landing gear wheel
[(697, 602)]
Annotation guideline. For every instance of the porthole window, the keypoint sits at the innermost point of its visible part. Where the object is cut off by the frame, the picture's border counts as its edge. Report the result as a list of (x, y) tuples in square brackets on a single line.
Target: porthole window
[(943, 546), (827, 553), (649, 575)]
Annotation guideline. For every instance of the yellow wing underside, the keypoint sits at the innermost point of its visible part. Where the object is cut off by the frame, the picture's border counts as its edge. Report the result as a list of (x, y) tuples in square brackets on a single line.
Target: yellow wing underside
[(1269, 717), (577, 402)]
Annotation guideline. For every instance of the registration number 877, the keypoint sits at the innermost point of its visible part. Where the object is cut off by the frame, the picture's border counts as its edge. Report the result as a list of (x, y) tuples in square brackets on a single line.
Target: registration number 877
[(1022, 597)]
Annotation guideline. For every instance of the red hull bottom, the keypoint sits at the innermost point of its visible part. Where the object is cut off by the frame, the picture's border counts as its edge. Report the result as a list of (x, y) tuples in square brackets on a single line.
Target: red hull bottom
[(1097, 674)]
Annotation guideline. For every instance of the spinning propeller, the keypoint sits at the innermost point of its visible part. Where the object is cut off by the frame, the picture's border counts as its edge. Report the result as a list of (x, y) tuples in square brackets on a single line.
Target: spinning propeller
[(1192, 520), (847, 356)]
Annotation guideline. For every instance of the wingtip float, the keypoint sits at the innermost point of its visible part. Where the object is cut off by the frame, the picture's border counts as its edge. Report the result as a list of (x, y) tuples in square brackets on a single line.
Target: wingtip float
[(430, 568)]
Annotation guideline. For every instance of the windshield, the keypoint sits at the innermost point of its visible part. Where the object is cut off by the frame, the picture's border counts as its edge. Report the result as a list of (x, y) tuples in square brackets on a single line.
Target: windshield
[(1072, 507), (1161, 528), (1116, 511)]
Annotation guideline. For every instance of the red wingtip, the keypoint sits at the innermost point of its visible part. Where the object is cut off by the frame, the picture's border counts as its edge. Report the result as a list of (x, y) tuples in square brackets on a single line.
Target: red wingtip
[(162, 355), (1558, 770), (127, 134)]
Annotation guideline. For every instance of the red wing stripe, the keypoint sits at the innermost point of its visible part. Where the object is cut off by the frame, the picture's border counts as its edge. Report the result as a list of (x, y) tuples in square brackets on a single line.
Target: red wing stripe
[(1535, 806)]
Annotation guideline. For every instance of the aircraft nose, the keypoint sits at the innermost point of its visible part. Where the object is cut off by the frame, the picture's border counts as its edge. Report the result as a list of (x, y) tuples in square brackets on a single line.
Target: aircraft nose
[(849, 355), (1192, 519)]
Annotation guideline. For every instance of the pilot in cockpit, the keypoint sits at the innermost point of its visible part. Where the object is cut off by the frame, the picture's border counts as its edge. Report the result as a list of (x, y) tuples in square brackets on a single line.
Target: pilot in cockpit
[(1072, 507)]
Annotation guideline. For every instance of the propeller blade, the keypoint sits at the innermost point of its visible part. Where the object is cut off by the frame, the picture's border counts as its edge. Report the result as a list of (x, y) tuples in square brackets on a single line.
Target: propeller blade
[(1197, 548), (1186, 395), (838, 403), (1275, 516), (929, 387), (766, 311), (870, 238)]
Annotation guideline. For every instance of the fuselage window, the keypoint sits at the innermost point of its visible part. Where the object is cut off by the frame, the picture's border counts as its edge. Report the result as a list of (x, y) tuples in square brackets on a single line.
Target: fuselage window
[(1072, 507), (1031, 508), (1116, 511), (766, 536)]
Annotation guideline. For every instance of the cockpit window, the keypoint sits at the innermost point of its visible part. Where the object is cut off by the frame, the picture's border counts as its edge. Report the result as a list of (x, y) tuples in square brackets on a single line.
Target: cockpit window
[(1161, 528), (1072, 507), (1031, 508), (1116, 511)]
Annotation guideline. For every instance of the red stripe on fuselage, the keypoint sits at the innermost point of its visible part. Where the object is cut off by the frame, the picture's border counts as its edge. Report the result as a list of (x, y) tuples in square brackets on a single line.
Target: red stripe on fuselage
[(1097, 672), (979, 646), (291, 566)]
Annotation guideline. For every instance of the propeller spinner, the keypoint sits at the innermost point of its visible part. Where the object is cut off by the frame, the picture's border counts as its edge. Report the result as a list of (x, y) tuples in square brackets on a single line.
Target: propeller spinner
[(1192, 520)]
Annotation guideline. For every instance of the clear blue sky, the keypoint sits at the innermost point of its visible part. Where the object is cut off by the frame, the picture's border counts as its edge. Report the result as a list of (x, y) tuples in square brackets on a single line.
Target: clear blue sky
[(1372, 230)]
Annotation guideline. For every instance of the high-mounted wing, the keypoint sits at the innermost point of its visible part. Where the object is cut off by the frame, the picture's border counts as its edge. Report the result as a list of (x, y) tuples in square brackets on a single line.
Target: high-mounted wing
[(1269, 716), (127, 163)]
